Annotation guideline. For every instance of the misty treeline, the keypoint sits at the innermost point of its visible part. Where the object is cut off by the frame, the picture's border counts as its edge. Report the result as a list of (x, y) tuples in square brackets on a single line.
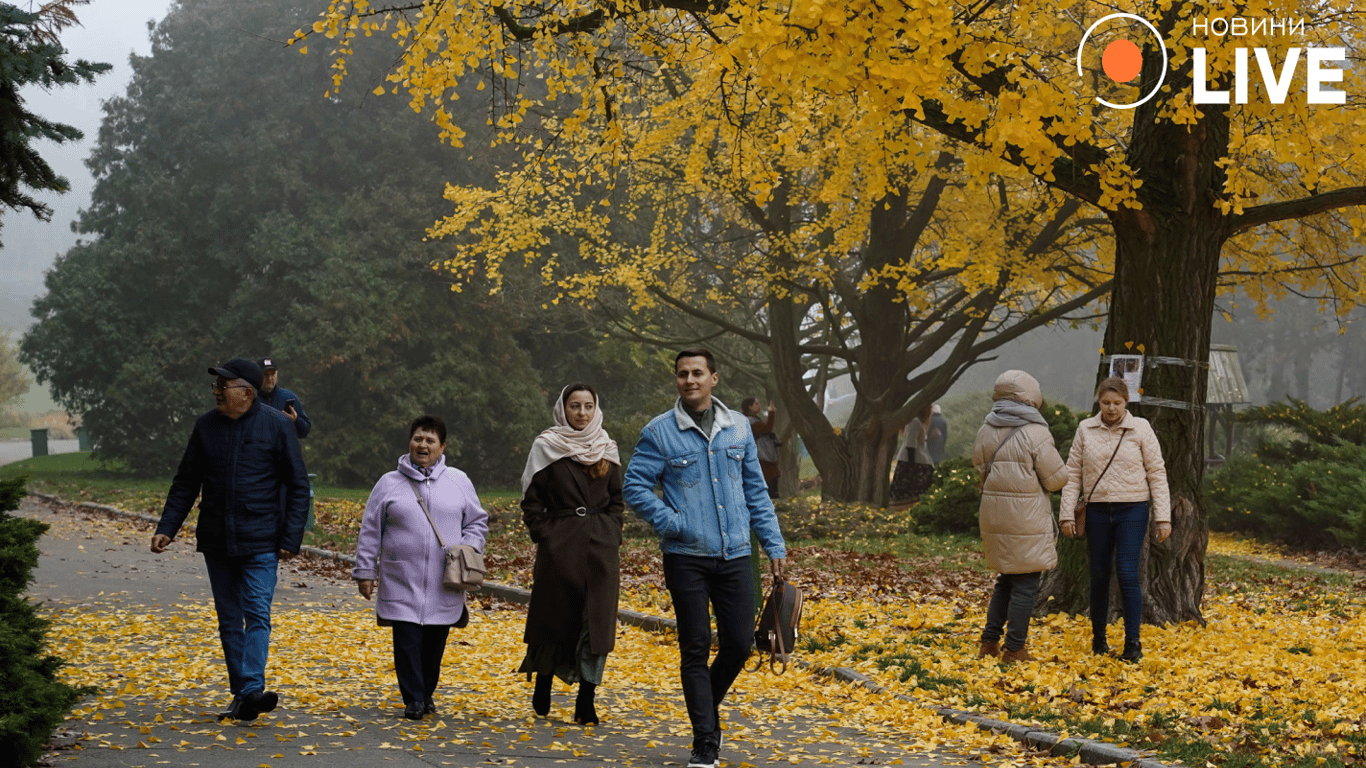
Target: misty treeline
[(237, 212)]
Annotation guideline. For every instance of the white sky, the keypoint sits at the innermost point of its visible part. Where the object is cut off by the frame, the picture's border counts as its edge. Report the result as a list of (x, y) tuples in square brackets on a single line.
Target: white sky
[(111, 30)]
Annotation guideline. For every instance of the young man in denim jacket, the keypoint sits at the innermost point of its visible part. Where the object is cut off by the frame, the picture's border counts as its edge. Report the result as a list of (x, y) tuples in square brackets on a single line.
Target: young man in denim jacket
[(703, 455)]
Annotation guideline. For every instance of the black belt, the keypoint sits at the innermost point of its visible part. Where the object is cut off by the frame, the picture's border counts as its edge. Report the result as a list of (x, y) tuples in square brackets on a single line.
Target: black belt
[(576, 512)]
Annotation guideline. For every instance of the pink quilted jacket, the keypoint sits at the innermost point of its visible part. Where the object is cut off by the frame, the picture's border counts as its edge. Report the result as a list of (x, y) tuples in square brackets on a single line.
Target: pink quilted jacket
[(1137, 474)]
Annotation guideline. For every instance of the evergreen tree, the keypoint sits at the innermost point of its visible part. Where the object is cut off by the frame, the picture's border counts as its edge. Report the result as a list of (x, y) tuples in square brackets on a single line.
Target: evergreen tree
[(35, 701)]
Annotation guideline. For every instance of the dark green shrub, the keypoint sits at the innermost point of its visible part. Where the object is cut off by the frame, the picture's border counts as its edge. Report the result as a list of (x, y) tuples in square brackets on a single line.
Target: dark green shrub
[(1303, 492), (1343, 423), (35, 702), (950, 505)]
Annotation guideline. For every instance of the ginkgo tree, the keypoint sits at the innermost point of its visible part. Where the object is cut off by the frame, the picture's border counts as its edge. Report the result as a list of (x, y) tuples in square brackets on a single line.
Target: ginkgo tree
[(830, 270), (1263, 190), (901, 291)]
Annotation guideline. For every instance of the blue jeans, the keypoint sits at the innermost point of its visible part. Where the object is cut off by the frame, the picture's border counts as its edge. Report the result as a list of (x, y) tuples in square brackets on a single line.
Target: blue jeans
[(1116, 531), (1012, 601), (242, 591), (729, 586)]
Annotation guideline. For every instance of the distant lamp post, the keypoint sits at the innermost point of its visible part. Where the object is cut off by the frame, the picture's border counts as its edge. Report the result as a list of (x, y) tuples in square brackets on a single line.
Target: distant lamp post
[(1224, 390)]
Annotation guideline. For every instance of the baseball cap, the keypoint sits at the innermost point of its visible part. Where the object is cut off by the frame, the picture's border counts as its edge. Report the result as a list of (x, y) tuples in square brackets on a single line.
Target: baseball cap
[(240, 368), (267, 364)]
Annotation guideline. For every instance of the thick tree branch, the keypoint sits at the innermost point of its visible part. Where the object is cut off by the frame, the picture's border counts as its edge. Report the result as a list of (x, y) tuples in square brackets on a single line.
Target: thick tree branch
[(1070, 174), (1296, 209), (593, 20)]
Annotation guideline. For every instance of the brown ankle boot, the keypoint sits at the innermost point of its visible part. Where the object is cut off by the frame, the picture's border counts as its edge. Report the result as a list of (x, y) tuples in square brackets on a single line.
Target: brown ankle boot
[(1020, 655), (988, 649)]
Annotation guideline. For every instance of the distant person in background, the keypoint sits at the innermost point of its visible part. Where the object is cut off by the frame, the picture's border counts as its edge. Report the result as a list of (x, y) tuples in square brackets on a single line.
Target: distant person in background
[(1117, 468), (245, 459), (400, 561), (572, 507), (1018, 467), (281, 399), (765, 440), (939, 436), (914, 468)]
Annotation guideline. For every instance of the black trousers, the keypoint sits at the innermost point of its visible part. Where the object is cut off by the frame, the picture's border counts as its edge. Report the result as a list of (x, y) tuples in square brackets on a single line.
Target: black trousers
[(418, 649), (728, 585)]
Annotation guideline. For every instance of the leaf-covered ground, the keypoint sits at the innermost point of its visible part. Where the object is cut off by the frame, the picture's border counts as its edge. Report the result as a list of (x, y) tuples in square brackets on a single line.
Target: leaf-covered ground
[(160, 673), (1274, 678)]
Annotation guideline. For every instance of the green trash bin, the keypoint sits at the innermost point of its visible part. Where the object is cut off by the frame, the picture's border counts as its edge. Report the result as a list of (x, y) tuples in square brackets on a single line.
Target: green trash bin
[(39, 441), (83, 438)]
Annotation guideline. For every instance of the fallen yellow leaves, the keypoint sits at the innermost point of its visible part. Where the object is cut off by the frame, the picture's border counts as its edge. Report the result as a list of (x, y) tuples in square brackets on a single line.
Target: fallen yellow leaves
[(334, 671)]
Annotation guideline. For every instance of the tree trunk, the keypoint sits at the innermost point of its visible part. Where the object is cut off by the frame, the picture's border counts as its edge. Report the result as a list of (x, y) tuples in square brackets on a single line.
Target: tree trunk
[(1166, 272)]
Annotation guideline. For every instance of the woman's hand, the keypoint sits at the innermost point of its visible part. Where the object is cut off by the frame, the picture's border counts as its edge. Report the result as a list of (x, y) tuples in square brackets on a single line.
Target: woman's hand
[(1069, 529), (1163, 531), (366, 587)]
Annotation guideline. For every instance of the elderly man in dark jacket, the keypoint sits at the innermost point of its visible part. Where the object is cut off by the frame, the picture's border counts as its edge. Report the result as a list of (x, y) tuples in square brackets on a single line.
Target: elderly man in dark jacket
[(245, 458)]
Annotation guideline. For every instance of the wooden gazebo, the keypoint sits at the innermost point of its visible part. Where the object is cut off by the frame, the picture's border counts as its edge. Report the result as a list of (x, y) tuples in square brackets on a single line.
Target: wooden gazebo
[(1225, 389)]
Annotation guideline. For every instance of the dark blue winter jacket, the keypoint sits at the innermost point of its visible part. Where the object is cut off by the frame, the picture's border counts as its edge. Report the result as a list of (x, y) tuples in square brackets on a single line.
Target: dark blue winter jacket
[(255, 487), (277, 399)]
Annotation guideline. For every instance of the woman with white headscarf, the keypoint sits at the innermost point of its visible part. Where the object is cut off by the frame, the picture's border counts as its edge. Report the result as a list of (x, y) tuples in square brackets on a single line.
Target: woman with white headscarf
[(572, 507)]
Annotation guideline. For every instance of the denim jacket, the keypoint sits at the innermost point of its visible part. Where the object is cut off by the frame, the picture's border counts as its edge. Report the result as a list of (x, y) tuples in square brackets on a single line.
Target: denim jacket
[(714, 490)]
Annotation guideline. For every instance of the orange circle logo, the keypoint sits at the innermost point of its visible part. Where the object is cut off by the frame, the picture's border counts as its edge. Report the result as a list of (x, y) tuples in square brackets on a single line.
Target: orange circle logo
[(1122, 61)]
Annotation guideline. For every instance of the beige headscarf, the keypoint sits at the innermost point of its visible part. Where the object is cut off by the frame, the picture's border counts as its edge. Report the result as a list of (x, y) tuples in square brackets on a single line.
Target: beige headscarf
[(586, 446)]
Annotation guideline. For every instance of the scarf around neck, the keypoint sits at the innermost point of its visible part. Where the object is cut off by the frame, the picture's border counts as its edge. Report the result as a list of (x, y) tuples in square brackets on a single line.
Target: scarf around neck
[(1010, 413), (586, 446)]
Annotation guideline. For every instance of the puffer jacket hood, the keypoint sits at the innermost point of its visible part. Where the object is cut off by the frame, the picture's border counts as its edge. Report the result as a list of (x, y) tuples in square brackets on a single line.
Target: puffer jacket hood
[(1018, 386)]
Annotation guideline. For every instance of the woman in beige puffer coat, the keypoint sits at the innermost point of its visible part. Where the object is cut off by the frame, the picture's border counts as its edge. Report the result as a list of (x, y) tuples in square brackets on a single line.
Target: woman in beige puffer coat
[(1119, 500), (1018, 467)]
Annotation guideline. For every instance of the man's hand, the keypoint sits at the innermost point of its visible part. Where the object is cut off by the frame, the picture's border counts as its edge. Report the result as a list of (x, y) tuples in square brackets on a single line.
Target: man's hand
[(1069, 529), (289, 411), (777, 566), (160, 542), (1163, 531), (286, 554), (366, 587), (771, 408)]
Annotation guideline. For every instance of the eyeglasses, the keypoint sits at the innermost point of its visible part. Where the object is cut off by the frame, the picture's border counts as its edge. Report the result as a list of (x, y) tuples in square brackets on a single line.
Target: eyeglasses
[(219, 387)]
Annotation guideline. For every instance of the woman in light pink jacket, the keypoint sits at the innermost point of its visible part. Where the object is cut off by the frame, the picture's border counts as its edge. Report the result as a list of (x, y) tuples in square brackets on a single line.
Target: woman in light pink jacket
[(1116, 465)]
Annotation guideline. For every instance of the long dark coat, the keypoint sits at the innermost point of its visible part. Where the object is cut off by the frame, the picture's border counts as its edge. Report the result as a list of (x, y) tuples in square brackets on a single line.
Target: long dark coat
[(578, 567)]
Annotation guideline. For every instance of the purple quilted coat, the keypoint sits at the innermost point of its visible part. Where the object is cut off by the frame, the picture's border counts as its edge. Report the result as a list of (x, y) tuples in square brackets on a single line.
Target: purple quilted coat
[(398, 549)]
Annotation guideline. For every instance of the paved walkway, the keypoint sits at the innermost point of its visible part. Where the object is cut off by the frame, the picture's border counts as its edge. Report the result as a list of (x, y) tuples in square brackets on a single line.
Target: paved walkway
[(140, 627), (15, 450)]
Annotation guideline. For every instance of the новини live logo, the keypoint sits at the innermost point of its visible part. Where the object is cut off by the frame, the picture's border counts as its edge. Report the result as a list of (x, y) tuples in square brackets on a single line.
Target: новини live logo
[(1122, 60)]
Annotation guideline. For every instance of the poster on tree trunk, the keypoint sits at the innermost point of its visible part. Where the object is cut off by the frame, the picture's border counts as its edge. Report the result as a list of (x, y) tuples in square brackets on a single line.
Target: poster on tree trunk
[(1129, 368)]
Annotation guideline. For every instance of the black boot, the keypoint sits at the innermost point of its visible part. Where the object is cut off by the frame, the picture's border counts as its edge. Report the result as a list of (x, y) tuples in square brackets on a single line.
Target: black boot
[(234, 710), (1098, 645), (584, 711), (1133, 651), (540, 698)]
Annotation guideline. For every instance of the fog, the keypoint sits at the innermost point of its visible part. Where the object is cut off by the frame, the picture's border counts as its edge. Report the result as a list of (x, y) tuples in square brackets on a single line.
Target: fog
[(111, 30)]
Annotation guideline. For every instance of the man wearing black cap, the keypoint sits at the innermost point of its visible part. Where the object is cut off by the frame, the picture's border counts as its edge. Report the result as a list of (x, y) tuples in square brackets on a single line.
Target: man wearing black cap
[(281, 399), (245, 458)]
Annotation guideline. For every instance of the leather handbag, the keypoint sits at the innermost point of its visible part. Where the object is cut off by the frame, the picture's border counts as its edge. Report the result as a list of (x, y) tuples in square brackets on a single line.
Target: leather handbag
[(776, 633), (1079, 511), (464, 570)]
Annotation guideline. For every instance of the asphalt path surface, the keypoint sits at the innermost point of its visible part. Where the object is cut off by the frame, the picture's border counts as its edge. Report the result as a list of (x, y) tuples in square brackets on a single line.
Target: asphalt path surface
[(17, 450), (102, 568)]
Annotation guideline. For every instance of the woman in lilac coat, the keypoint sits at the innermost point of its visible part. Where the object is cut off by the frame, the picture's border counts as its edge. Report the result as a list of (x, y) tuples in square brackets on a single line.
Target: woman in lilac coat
[(399, 553)]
